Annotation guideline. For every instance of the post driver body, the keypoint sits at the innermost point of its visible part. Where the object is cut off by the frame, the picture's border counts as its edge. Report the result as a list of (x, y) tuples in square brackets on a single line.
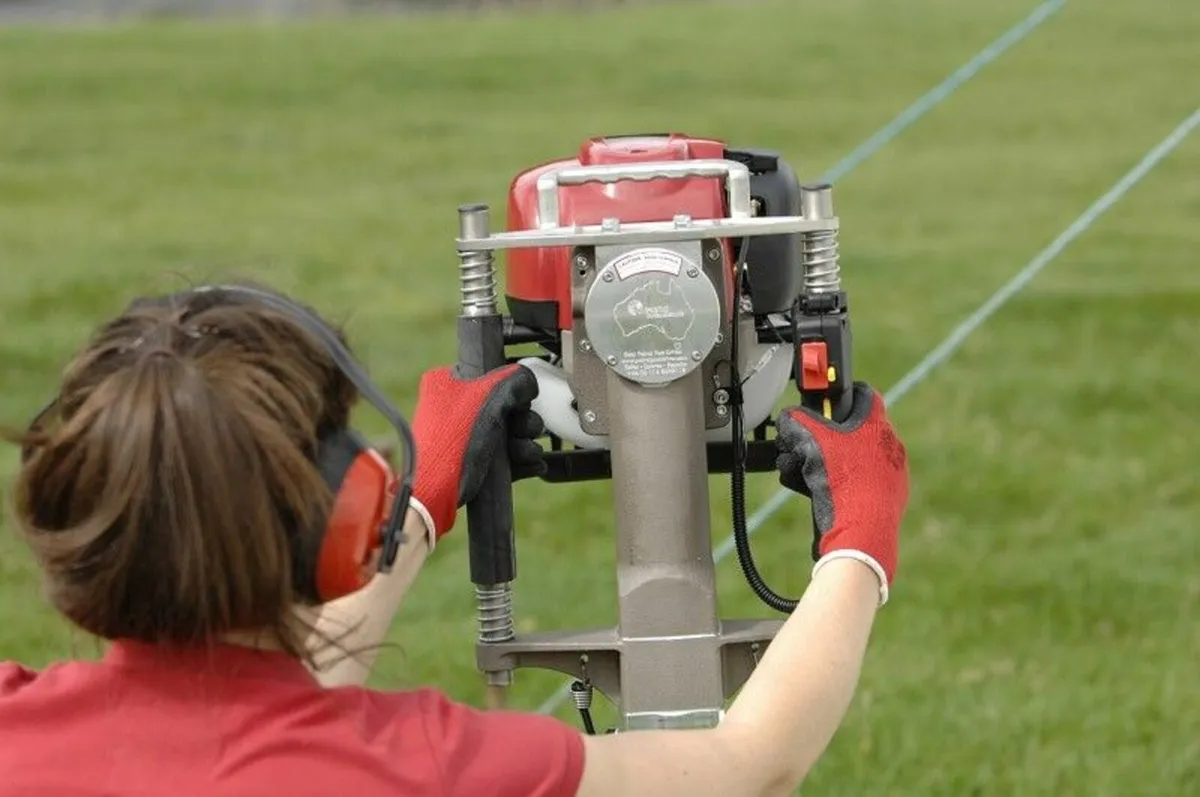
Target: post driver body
[(664, 347)]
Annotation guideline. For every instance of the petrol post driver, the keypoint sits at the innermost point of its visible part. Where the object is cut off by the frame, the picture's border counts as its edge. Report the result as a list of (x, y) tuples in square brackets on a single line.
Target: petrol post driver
[(675, 287)]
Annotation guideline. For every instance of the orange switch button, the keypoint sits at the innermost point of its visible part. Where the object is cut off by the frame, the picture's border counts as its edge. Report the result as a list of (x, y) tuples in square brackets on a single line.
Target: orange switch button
[(814, 366)]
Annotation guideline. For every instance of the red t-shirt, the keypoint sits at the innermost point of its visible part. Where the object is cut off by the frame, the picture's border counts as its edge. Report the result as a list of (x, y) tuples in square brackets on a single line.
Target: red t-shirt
[(234, 721)]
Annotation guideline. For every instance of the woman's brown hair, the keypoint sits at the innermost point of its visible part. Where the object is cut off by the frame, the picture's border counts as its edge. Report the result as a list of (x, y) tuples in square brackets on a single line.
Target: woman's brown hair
[(164, 491)]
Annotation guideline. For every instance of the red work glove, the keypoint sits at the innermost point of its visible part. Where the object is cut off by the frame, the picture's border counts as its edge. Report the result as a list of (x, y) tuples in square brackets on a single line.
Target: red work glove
[(856, 473), (459, 425)]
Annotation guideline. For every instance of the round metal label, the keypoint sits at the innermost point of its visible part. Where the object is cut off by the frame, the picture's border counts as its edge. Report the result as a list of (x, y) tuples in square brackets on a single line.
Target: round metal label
[(652, 315)]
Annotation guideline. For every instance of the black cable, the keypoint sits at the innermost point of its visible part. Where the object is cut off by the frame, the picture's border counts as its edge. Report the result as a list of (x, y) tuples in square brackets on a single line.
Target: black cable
[(737, 474)]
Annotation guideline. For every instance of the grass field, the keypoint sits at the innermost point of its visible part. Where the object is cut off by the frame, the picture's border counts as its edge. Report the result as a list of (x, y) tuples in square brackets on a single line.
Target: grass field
[(1043, 638)]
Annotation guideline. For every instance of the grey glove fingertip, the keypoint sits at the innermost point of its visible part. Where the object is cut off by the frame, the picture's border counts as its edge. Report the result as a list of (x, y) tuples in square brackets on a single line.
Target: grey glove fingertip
[(522, 386), (786, 424), (529, 471), (790, 466), (524, 451), (526, 424)]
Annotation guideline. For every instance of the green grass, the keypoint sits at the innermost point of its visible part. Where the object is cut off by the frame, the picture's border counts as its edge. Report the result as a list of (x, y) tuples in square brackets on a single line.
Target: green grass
[(1043, 637)]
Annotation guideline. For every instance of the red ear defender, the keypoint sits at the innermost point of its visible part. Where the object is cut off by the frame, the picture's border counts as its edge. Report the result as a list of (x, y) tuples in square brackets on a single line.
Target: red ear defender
[(353, 534), (365, 525)]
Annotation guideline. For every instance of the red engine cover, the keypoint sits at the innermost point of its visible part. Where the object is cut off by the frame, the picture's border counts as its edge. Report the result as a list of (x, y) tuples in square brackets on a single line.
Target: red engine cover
[(541, 276)]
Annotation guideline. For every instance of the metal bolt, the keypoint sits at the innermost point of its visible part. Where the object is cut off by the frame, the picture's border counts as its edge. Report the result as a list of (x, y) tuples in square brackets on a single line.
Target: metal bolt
[(693, 272), (589, 416), (720, 338), (611, 359), (722, 410), (581, 262), (714, 253), (608, 276), (585, 344), (721, 396), (697, 356)]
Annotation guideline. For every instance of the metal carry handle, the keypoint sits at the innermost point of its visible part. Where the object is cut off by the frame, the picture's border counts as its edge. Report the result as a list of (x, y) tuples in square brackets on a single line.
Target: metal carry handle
[(737, 182), (740, 223)]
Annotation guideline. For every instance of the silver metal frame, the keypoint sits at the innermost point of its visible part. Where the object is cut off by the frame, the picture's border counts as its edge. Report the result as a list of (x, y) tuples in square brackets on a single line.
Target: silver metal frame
[(671, 662)]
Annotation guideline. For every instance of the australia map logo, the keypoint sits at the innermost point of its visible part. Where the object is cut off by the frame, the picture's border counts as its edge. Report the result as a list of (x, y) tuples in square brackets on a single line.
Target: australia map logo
[(659, 306)]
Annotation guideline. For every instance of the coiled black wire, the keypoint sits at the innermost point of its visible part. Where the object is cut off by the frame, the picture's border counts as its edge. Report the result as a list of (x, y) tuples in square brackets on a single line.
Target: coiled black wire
[(737, 473)]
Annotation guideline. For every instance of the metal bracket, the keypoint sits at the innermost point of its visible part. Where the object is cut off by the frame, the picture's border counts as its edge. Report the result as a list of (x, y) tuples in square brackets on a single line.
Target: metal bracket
[(741, 643), (588, 373)]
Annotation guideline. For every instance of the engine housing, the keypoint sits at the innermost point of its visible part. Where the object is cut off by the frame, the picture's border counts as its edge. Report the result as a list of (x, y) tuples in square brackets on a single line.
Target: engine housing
[(538, 282)]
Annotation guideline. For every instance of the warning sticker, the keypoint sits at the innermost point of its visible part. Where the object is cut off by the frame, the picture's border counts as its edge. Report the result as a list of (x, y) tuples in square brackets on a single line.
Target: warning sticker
[(639, 261)]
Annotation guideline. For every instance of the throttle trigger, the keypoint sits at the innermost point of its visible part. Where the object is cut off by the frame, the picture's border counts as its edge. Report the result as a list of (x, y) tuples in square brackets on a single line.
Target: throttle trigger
[(814, 366)]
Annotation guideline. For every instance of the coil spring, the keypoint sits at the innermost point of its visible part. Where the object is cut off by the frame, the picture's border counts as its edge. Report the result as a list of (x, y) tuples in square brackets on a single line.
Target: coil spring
[(581, 695), (495, 609), (822, 263), (477, 274)]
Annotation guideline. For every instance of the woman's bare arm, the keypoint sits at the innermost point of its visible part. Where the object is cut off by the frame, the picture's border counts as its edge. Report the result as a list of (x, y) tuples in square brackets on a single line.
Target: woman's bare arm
[(360, 621), (780, 723)]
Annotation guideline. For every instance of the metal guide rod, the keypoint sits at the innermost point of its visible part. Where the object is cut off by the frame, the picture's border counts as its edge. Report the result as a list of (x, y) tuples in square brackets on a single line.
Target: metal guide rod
[(816, 201), (490, 515), (820, 258)]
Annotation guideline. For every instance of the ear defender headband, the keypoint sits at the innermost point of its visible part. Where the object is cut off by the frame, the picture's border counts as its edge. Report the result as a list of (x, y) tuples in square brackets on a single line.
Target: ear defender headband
[(370, 501), (362, 519)]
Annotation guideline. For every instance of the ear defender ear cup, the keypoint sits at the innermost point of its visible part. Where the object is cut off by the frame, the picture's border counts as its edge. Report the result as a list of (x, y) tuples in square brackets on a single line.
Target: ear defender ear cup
[(361, 481)]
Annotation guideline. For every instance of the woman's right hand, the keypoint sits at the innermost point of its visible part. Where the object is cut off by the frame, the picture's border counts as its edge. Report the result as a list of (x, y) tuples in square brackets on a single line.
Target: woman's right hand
[(856, 473)]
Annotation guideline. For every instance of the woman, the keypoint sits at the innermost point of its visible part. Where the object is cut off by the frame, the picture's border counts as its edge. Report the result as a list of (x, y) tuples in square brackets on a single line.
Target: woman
[(167, 496)]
